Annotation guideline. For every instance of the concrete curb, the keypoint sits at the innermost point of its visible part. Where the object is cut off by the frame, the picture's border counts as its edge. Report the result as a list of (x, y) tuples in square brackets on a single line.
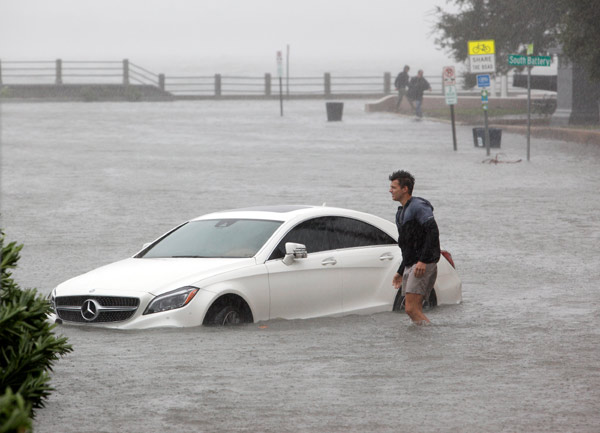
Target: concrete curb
[(573, 134), (585, 136)]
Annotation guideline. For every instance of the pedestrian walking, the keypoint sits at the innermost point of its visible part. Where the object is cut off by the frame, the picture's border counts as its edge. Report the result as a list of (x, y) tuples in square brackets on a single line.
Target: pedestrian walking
[(401, 83), (419, 240), (416, 87)]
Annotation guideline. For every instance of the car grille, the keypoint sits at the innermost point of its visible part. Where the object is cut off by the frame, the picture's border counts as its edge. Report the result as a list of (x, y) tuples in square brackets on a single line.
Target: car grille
[(103, 309)]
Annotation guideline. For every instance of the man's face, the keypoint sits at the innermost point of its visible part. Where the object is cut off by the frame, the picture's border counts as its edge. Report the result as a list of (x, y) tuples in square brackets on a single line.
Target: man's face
[(398, 192)]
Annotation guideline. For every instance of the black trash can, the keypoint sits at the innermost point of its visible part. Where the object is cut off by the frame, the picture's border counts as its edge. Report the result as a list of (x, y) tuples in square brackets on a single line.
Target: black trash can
[(334, 111), (479, 137)]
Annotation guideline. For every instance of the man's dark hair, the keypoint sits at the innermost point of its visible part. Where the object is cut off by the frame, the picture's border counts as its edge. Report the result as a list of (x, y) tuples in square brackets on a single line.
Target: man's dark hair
[(404, 178)]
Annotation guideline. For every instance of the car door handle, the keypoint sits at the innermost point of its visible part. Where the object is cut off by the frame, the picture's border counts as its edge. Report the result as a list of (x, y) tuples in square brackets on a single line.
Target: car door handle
[(386, 256), (329, 261)]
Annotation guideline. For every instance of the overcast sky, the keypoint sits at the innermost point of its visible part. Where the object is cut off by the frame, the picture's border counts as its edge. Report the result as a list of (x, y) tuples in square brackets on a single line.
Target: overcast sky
[(171, 34)]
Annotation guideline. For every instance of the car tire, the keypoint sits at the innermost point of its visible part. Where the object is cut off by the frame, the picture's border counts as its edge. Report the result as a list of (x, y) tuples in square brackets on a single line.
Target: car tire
[(428, 303), (228, 316), (398, 302), (431, 302), (228, 310)]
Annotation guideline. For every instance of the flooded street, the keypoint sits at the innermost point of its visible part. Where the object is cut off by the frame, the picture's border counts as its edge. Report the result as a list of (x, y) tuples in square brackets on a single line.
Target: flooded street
[(84, 185)]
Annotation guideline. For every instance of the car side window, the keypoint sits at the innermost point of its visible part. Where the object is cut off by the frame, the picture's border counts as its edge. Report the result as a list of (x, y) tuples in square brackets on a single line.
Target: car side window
[(315, 234), (352, 233)]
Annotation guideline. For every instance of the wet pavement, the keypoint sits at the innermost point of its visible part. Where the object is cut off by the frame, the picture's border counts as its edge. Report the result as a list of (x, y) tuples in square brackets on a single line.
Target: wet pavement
[(87, 184)]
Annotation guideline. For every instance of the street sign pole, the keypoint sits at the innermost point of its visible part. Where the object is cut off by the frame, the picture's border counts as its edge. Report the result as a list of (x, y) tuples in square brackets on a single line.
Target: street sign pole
[(287, 71), (529, 61), (484, 105), (487, 133), (529, 53), (280, 73), (449, 82), (528, 111), (453, 126), (482, 59), (280, 97)]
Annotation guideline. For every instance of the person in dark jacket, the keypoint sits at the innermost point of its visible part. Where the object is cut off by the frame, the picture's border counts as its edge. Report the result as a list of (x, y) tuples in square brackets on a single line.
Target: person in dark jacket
[(401, 83), (419, 240), (416, 87)]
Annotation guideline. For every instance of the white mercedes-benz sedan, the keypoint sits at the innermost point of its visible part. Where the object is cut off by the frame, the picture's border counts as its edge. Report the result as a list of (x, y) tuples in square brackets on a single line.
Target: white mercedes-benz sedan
[(250, 265)]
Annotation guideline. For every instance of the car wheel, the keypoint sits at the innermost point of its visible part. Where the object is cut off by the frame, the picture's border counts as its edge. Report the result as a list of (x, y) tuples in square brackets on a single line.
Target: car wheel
[(431, 302), (228, 310), (228, 316), (398, 302), (428, 303)]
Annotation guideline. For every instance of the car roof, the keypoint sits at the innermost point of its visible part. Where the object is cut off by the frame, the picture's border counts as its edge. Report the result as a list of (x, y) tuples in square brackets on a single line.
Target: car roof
[(285, 213)]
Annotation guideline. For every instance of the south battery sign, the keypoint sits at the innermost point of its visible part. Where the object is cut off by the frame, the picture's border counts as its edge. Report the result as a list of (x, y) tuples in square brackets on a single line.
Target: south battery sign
[(520, 60)]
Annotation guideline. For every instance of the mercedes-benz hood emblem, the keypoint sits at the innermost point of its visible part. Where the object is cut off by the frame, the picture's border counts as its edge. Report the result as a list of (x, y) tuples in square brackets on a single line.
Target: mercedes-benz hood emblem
[(90, 310)]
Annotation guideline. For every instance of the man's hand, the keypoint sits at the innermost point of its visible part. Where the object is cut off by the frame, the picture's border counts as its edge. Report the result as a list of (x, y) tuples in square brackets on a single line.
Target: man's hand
[(420, 269), (397, 281)]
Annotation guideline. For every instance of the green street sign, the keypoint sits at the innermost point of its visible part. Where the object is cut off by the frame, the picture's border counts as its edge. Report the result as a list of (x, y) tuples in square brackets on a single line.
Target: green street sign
[(520, 60)]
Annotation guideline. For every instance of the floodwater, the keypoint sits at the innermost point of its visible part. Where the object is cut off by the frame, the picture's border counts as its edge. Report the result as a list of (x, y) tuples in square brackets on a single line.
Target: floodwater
[(87, 184)]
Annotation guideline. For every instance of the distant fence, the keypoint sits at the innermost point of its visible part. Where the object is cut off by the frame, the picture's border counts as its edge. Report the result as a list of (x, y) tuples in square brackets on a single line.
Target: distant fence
[(267, 85), (75, 72), (59, 72)]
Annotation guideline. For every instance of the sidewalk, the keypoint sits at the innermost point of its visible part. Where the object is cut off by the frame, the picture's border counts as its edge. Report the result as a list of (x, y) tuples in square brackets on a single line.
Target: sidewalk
[(540, 128), (566, 133), (540, 124)]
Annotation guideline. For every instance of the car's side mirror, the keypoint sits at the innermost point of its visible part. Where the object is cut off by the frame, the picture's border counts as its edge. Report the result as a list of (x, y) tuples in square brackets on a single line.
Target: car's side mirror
[(294, 251)]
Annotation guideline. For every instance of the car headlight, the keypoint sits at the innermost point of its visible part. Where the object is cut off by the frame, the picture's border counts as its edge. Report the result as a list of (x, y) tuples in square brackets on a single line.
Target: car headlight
[(52, 300), (172, 300)]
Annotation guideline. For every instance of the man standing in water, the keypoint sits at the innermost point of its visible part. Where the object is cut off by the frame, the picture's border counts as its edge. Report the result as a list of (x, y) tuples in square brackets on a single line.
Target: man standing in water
[(419, 240)]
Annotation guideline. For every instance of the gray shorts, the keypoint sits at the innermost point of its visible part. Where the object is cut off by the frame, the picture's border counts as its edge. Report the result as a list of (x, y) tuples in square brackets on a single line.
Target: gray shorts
[(421, 285)]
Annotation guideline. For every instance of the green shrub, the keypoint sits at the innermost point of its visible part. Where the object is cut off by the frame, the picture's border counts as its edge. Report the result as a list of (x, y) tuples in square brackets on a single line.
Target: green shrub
[(28, 345), (14, 413)]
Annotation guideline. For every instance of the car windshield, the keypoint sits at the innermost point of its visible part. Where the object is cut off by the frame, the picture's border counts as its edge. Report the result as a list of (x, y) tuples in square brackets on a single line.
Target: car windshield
[(229, 238)]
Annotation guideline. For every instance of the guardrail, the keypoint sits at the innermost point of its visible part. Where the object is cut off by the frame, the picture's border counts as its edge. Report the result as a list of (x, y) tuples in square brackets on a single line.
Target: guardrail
[(267, 85), (62, 72), (75, 72)]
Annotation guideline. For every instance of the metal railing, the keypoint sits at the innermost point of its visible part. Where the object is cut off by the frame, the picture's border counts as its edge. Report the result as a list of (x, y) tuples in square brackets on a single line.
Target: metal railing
[(123, 72), (75, 72), (143, 76), (22, 72), (231, 85)]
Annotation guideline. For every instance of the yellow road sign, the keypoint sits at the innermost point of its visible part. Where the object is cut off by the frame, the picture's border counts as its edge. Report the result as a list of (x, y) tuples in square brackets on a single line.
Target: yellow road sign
[(477, 48)]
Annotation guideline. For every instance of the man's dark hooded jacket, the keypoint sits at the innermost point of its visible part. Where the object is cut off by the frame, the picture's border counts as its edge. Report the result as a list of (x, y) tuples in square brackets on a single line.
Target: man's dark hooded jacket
[(418, 234)]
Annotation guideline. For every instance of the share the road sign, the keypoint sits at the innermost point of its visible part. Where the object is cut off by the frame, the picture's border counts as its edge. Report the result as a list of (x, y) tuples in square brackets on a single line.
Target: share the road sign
[(482, 56), (482, 47), (520, 60)]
